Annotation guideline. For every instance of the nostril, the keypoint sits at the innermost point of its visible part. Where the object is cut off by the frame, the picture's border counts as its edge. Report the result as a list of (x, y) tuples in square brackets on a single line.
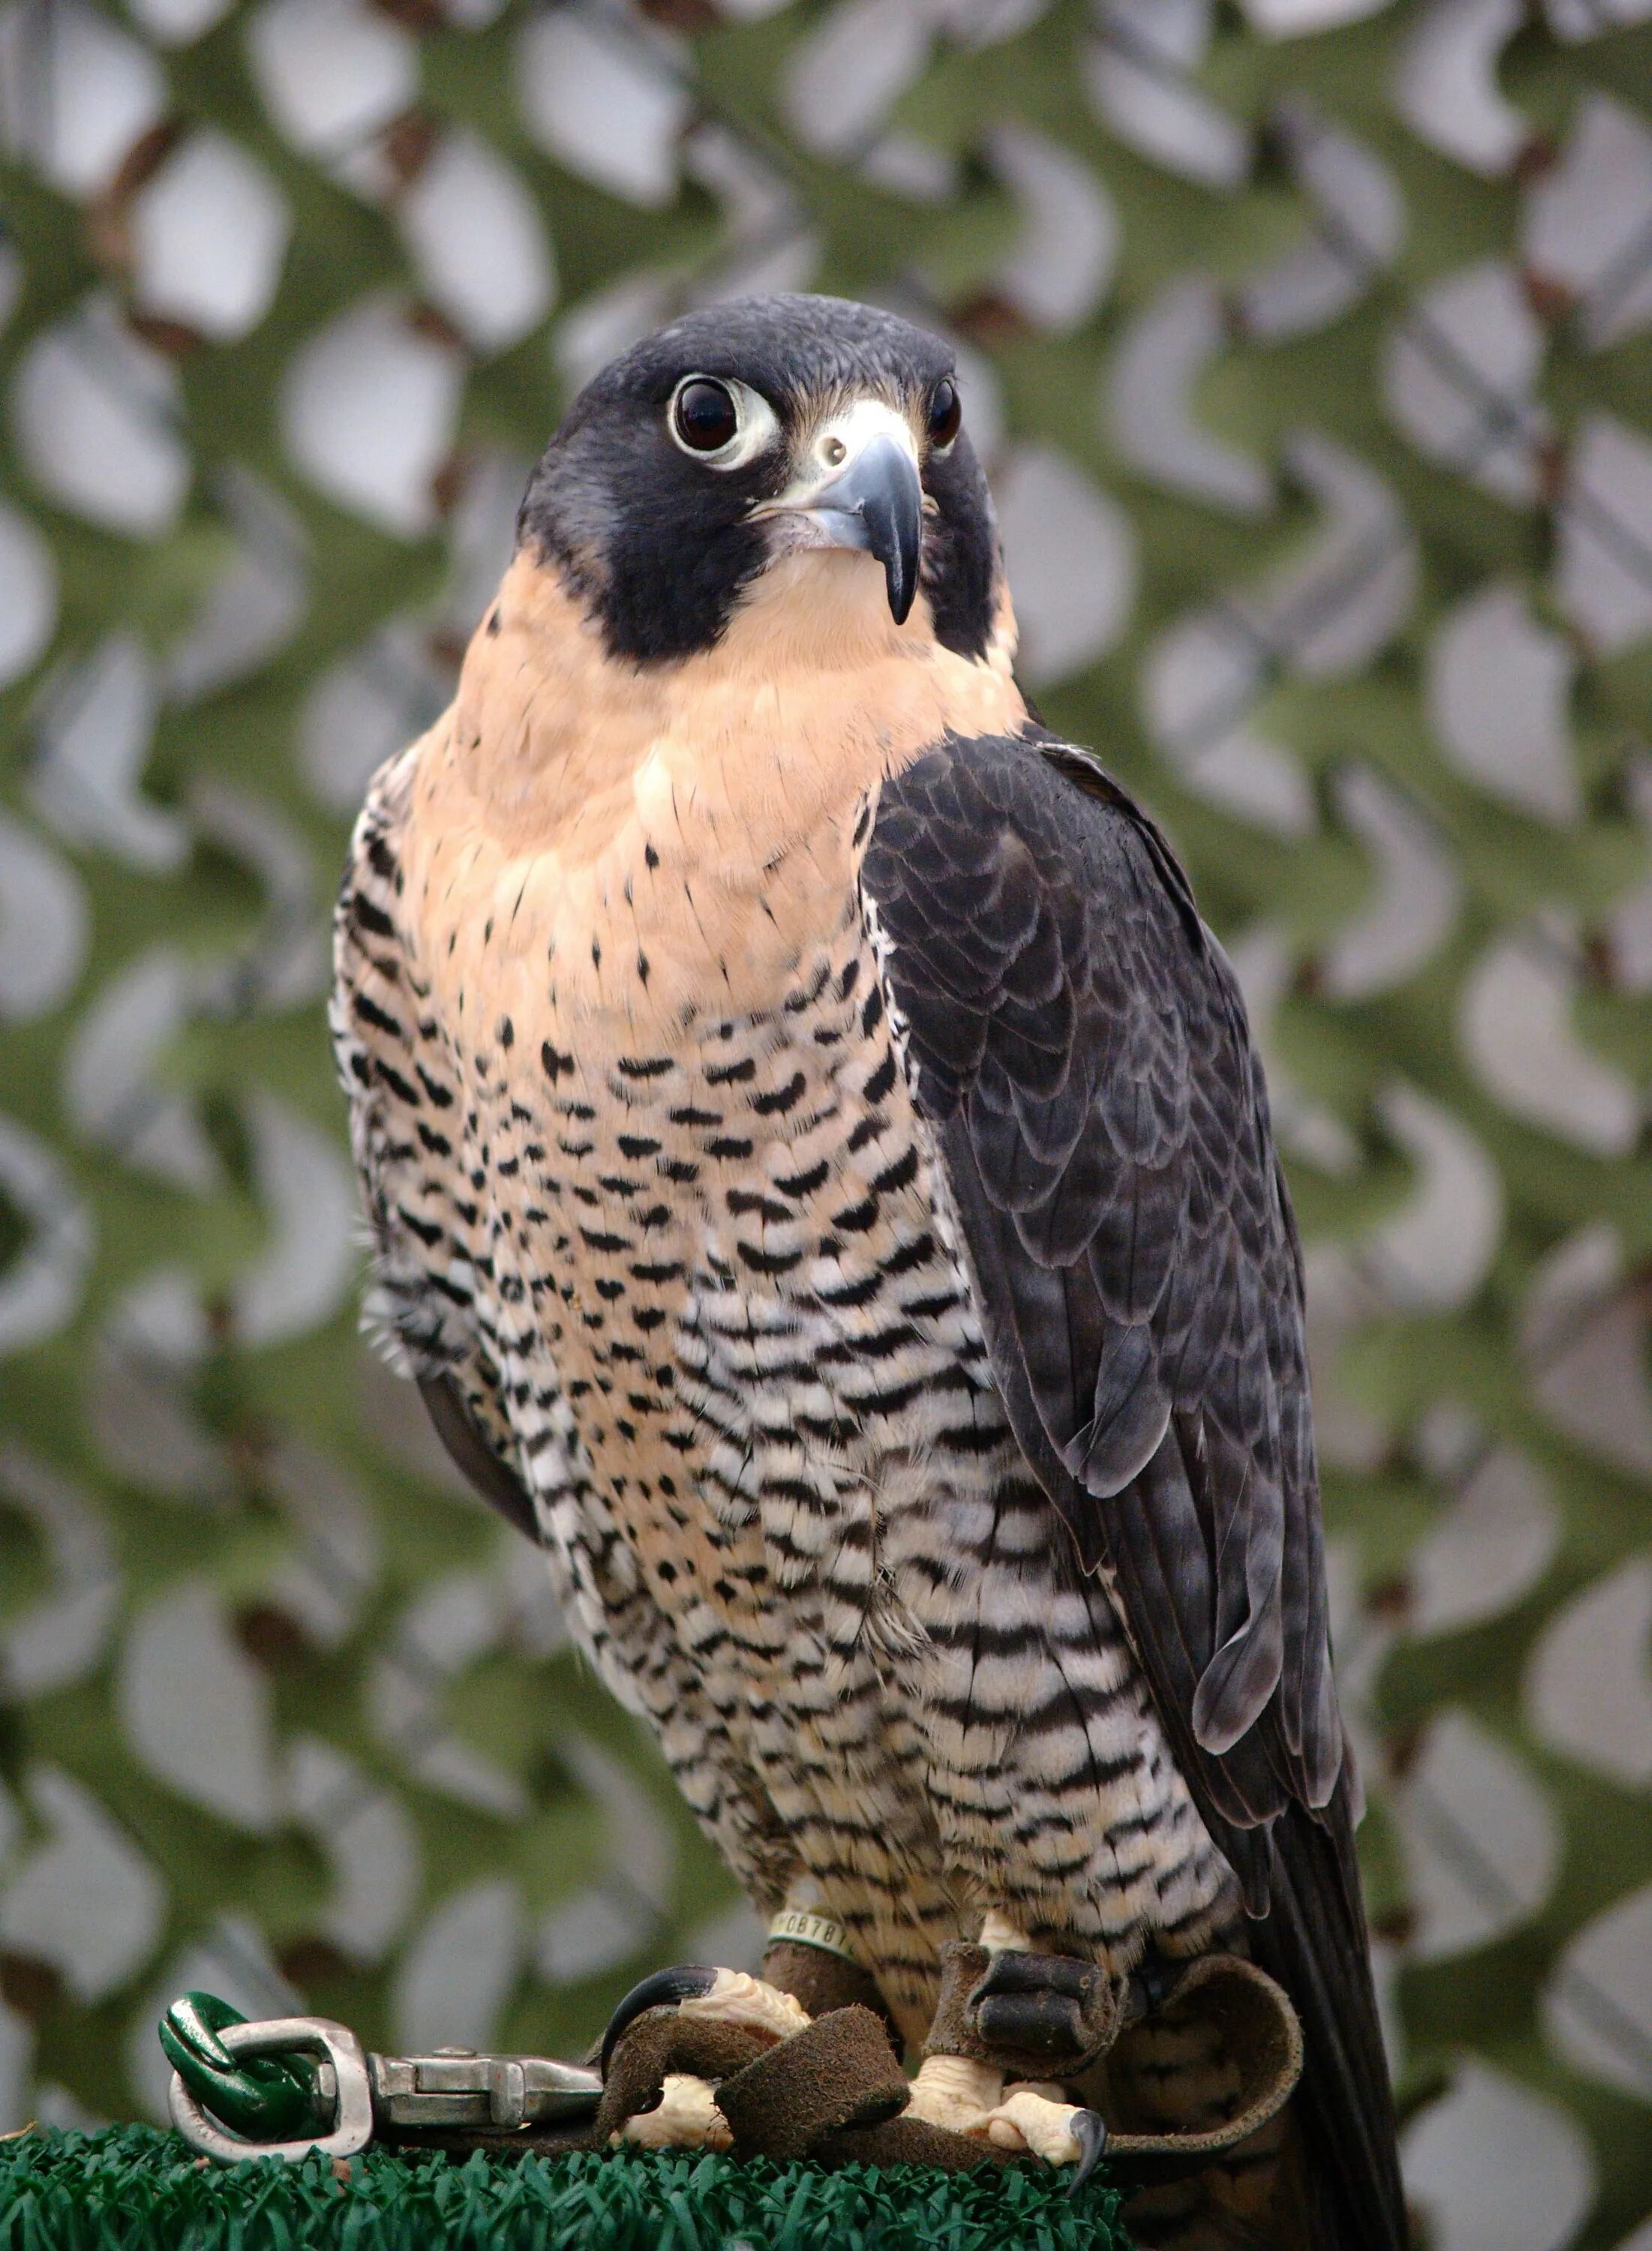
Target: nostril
[(832, 450)]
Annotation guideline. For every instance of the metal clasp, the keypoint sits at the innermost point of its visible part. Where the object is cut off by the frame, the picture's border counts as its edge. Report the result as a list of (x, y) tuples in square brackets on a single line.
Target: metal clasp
[(455, 2090), (459, 2087), (342, 2083)]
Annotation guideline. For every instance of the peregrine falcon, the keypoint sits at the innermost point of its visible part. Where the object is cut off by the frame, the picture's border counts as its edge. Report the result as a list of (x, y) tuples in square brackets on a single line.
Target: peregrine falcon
[(820, 1177)]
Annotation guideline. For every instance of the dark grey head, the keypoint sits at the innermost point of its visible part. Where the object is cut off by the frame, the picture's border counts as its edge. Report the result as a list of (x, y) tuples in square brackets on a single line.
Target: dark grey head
[(753, 430)]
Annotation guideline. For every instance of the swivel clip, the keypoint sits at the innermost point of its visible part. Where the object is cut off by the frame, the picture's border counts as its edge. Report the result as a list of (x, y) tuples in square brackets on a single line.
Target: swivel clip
[(289, 2086)]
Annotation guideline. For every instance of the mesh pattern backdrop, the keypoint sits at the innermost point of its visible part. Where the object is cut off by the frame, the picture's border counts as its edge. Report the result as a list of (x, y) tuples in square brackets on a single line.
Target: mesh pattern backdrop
[(1310, 344)]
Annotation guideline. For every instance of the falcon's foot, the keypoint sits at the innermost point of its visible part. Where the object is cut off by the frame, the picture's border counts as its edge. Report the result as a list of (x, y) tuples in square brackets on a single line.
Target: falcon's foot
[(1034, 2115), (954, 2092), (969, 2097), (728, 1996), (686, 2117)]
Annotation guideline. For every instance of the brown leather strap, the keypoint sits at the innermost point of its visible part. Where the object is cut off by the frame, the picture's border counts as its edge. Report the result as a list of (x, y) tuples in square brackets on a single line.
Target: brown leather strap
[(1263, 2034), (840, 2072), (1258, 2025), (1036, 2016), (800, 2098), (658, 2043), (914, 2141), (832, 2091), (821, 1980), (952, 2028), (559, 2139)]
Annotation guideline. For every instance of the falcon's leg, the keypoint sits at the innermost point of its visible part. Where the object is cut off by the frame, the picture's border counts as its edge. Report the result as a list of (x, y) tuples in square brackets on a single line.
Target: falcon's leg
[(970, 2095)]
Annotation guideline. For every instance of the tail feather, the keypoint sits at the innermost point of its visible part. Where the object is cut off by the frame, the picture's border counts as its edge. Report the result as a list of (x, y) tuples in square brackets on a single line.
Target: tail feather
[(1313, 1941)]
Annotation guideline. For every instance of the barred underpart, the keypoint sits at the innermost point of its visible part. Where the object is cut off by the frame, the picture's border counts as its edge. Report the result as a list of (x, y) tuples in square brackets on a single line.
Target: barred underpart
[(708, 1302)]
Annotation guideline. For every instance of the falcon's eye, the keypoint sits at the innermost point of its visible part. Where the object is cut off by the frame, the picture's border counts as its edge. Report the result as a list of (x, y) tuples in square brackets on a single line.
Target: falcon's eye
[(946, 412), (704, 416), (721, 422)]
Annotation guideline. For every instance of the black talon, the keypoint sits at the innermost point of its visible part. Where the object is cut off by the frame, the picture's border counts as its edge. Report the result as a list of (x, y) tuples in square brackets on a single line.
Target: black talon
[(664, 1989), (1088, 2130)]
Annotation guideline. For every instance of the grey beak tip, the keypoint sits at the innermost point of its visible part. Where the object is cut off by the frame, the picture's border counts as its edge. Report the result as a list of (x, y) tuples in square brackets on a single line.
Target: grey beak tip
[(882, 489), (893, 510)]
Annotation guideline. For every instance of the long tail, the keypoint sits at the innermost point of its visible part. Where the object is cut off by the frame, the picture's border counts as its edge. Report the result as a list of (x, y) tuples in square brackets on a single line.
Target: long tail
[(1313, 1941)]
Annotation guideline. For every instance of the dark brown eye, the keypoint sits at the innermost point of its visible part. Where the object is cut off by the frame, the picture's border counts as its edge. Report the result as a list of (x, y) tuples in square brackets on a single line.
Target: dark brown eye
[(946, 412), (705, 415)]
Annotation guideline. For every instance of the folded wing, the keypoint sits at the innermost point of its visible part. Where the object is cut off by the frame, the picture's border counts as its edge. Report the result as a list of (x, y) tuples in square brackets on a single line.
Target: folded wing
[(1081, 1054)]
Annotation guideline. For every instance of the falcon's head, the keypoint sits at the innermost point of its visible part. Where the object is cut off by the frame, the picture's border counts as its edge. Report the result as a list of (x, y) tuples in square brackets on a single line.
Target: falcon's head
[(762, 429)]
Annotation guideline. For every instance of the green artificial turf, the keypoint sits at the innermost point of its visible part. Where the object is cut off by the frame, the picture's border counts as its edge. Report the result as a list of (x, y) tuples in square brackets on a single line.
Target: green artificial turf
[(141, 2190)]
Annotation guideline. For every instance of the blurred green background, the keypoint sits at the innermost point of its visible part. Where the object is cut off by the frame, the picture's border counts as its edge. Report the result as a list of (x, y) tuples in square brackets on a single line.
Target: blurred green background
[(1309, 343)]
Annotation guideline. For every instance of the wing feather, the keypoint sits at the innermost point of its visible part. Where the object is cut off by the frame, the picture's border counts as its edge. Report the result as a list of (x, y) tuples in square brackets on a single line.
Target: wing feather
[(1079, 1046)]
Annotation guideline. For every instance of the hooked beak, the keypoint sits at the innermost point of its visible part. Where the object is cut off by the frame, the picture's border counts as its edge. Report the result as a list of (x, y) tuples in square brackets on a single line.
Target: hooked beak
[(874, 503), (877, 503)]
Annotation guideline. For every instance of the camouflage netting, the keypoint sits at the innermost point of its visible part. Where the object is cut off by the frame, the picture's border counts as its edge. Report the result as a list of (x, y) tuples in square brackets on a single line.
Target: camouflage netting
[(1312, 357)]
